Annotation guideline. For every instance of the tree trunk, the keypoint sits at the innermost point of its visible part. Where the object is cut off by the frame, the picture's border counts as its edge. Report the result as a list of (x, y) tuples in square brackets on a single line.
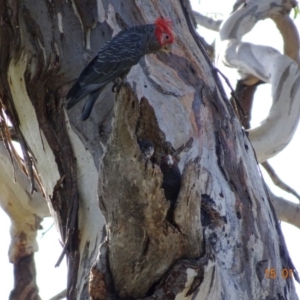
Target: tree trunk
[(220, 240)]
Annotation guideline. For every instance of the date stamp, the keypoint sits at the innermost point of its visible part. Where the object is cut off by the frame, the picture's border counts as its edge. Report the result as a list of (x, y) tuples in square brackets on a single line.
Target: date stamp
[(285, 273)]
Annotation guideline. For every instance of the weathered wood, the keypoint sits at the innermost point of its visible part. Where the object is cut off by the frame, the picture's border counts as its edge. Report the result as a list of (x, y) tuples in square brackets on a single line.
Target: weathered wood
[(222, 225), (135, 208)]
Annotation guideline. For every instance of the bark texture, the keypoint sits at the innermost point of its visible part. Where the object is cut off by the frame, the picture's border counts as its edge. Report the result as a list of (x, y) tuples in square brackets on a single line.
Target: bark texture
[(220, 236), (246, 87), (134, 205)]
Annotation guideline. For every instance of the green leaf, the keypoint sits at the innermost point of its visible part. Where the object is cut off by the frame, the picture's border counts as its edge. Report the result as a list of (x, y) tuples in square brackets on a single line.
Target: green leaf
[(296, 11)]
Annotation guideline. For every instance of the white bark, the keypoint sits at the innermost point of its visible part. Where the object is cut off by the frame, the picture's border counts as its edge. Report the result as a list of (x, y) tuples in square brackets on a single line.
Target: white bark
[(91, 220), (290, 35), (268, 65), (44, 158), (24, 209)]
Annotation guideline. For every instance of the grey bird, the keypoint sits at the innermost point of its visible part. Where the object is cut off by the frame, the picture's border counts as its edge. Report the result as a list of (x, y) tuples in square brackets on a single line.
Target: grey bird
[(115, 59)]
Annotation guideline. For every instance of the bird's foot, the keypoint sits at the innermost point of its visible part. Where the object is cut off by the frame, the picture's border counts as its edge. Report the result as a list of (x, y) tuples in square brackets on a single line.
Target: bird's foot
[(117, 84)]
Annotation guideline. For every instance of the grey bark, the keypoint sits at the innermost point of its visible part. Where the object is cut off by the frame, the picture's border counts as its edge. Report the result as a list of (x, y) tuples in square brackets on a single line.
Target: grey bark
[(222, 233)]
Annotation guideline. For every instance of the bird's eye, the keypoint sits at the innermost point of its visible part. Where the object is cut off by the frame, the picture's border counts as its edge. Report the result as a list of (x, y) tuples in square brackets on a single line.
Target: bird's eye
[(167, 37)]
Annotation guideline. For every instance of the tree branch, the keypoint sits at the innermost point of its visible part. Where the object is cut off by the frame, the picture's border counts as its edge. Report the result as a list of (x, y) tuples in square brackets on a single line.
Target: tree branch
[(268, 65), (290, 36), (207, 22), (286, 211), (25, 286), (60, 295), (277, 181)]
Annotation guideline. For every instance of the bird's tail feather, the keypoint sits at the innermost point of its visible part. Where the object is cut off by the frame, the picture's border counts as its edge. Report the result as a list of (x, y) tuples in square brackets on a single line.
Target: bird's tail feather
[(75, 94), (89, 104)]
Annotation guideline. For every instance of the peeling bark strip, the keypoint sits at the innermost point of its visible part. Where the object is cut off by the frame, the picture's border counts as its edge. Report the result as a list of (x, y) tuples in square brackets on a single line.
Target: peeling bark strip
[(10, 43), (135, 207), (26, 211), (32, 101), (268, 65)]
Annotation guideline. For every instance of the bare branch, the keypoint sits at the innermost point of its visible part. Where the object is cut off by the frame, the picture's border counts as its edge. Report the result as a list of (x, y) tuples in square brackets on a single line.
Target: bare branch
[(290, 36), (207, 22), (64, 251), (60, 295), (277, 181), (25, 286), (286, 211), (268, 65)]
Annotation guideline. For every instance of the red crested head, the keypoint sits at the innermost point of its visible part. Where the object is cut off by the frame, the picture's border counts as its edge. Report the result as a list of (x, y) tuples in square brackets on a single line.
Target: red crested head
[(164, 33)]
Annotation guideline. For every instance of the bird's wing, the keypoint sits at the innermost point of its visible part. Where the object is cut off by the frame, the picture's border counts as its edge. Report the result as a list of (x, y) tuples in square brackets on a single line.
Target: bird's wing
[(113, 60)]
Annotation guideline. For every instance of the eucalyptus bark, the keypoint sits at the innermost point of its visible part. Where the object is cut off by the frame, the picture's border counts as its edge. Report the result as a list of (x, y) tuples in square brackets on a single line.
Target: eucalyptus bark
[(222, 233), (232, 29)]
